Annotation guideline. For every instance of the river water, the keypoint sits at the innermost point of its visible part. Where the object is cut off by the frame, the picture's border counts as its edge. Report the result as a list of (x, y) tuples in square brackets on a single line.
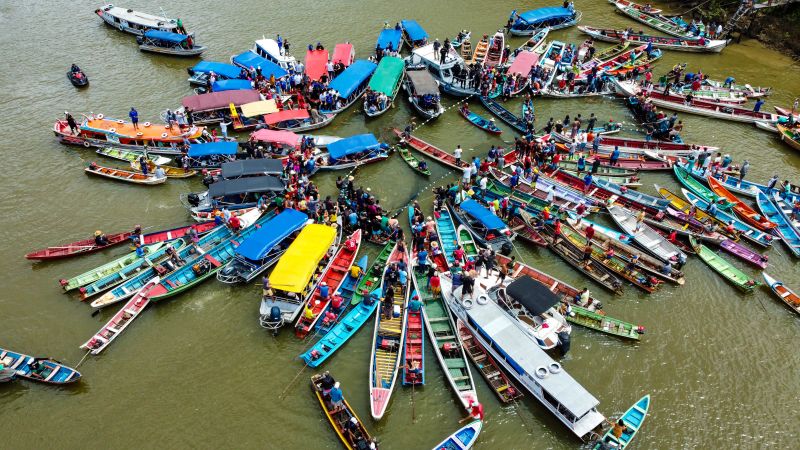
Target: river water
[(198, 371)]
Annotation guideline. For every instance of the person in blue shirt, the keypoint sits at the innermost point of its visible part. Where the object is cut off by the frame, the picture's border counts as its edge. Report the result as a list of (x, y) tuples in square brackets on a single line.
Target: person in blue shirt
[(139, 250), (324, 291), (422, 261), (758, 105), (402, 275), (596, 143), (337, 398), (415, 305), (615, 156), (581, 163), (134, 115)]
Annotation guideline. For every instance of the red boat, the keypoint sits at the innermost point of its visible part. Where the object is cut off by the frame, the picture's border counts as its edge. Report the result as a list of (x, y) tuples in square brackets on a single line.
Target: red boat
[(630, 145), (413, 349), (641, 164), (614, 62), (431, 151), (741, 209), (332, 277), (598, 193), (79, 247), (175, 233)]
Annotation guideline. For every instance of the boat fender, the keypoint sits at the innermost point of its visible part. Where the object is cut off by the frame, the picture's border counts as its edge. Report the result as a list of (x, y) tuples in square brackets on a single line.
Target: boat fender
[(640, 330), (139, 133), (554, 367), (112, 130), (467, 303), (120, 121), (541, 372), (164, 135), (147, 124), (100, 117), (86, 144), (482, 300)]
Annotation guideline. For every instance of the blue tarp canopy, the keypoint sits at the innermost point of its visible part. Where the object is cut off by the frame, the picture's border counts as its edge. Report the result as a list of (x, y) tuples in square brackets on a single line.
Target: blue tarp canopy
[(353, 145), (231, 85), (166, 36), (354, 76), (414, 30), (272, 233), (249, 59), (389, 36), (547, 13), (483, 215), (213, 148), (222, 69)]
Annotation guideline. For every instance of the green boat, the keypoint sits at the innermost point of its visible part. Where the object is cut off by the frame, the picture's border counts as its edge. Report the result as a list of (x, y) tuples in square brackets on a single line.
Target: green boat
[(606, 171), (699, 189), (724, 268), (466, 242), (387, 79), (372, 279), (604, 324), (129, 156), (412, 161), (90, 276), (526, 199)]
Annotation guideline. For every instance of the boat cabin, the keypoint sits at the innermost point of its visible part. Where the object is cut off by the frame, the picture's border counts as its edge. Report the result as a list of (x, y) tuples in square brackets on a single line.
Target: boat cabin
[(211, 154), (250, 59), (316, 66), (344, 54), (386, 80), (214, 107), (449, 73), (135, 22), (101, 131), (534, 305), (487, 227), (354, 149), (252, 114), (198, 74), (413, 33), (251, 168), (168, 43), (241, 193), (277, 143), (347, 87), (423, 92), (553, 17), (390, 39), (268, 48)]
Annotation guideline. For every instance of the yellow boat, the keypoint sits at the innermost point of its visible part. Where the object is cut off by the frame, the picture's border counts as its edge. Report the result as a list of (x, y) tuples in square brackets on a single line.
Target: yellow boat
[(170, 171)]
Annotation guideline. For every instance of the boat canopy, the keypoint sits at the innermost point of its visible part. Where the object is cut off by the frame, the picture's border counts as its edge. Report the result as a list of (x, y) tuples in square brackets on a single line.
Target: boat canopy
[(250, 59), (270, 47), (235, 84), (533, 295), (544, 14), (423, 82), (352, 78), (389, 38), (298, 264), (273, 232), (432, 58), (414, 30), (259, 108), (523, 63), (353, 145), (284, 137), (482, 214), (213, 148), (222, 69), (343, 53), (387, 75), (165, 36), (250, 167), (286, 114), (217, 100), (316, 62), (245, 185)]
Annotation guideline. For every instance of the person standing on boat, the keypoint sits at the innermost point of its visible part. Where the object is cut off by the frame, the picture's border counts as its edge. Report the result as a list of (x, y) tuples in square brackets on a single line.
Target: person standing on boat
[(143, 166), (759, 103), (73, 127), (134, 115), (743, 170), (159, 173), (223, 127)]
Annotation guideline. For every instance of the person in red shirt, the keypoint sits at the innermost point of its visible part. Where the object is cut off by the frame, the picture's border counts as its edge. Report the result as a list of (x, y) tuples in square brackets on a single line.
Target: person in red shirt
[(589, 232), (235, 223), (475, 412)]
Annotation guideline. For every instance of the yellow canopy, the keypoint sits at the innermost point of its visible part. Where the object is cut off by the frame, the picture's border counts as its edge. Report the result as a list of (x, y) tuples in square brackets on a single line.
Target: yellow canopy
[(259, 108), (298, 264)]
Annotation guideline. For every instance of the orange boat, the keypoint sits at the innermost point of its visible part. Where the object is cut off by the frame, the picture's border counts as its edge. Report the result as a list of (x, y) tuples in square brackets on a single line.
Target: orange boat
[(741, 209), (123, 175)]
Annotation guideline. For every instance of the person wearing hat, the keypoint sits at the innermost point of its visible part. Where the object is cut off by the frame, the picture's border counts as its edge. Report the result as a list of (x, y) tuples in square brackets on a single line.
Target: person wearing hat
[(324, 291), (475, 411), (100, 239), (337, 398), (73, 127)]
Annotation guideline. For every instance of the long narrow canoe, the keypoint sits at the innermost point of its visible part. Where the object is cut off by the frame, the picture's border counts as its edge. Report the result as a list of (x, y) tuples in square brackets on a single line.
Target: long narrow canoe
[(632, 419), (130, 156), (743, 210), (169, 171), (745, 254), (785, 208), (353, 438), (720, 265), (448, 238), (646, 237), (427, 149), (124, 175), (92, 275), (732, 183), (466, 242), (604, 171), (787, 296), (505, 115), (480, 122), (414, 348), (699, 189), (372, 277), (753, 235), (50, 371), (346, 290), (463, 439), (679, 204), (502, 386), (667, 43), (788, 137), (600, 322), (634, 196), (412, 161), (518, 197), (658, 22), (601, 195), (565, 196), (78, 248), (176, 233), (526, 231), (788, 234)]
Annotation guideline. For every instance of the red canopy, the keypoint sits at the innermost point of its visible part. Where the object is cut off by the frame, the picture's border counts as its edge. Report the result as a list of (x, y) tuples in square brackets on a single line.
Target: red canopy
[(277, 136), (287, 114), (217, 100), (316, 62), (344, 54), (523, 63)]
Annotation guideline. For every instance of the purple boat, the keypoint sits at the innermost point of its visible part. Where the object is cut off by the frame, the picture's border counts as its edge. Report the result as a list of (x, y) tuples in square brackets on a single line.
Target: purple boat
[(677, 221), (744, 253)]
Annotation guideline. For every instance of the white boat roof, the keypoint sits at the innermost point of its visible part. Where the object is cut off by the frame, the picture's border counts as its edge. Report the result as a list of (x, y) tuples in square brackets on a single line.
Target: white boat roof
[(432, 58), (271, 46), (148, 20)]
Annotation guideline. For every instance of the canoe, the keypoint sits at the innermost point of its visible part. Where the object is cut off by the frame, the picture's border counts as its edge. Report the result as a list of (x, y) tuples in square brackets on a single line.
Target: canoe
[(788, 233), (429, 150), (353, 438), (706, 194), (131, 156), (785, 207), (630, 183), (684, 225), (502, 386), (744, 211), (448, 238), (123, 175), (412, 161), (338, 269), (788, 137), (634, 196), (174, 233), (480, 52), (635, 145), (720, 265), (571, 166), (78, 248), (753, 235), (526, 231), (494, 54), (387, 340), (169, 171), (208, 216), (744, 253), (413, 347), (647, 9), (92, 275), (463, 439), (519, 199), (645, 236), (638, 164), (565, 197), (346, 290), (599, 194), (731, 183), (632, 419), (466, 242), (51, 372), (787, 296), (600, 322), (662, 42), (372, 275), (480, 122), (659, 22), (642, 60), (505, 115), (121, 320)]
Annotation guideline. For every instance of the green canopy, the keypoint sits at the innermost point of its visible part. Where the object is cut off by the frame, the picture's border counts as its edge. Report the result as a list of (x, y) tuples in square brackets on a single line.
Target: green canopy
[(387, 76)]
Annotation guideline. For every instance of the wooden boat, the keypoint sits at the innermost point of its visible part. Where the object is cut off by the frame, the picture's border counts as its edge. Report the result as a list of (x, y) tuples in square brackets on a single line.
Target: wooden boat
[(634, 196), (605, 55), (448, 237), (647, 9), (642, 60), (169, 171), (427, 149), (599, 194), (630, 182), (785, 207), (787, 296), (637, 146), (92, 275), (353, 438), (744, 253), (700, 190), (372, 277), (78, 248), (494, 54), (412, 161), (123, 175), (78, 79), (479, 54), (463, 439), (413, 348), (632, 419), (735, 276), (646, 237), (744, 211), (130, 156), (485, 227), (504, 388), (387, 79), (423, 93), (50, 371), (565, 196), (753, 235), (478, 121), (666, 43), (652, 20), (788, 136), (121, 320), (570, 165), (387, 340), (297, 120), (505, 115), (350, 84), (333, 278), (526, 231), (168, 43), (782, 225), (548, 63), (346, 291), (595, 320), (553, 18), (637, 164)]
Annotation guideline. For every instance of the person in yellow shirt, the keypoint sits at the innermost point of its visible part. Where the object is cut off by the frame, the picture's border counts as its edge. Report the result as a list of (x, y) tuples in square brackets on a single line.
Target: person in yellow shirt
[(355, 272), (309, 312)]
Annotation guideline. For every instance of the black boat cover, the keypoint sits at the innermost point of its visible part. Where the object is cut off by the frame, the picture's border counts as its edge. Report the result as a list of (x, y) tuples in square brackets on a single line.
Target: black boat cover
[(250, 167), (246, 185), (531, 294)]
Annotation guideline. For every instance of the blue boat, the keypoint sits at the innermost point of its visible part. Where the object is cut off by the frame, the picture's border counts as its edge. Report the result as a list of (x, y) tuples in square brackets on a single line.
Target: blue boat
[(480, 122), (231, 85), (342, 331), (390, 38), (263, 248), (250, 59), (211, 154), (350, 85), (788, 233), (354, 151), (632, 195), (488, 229), (345, 291), (553, 17), (413, 33), (746, 231), (198, 74), (742, 187), (462, 439), (632, 419), (505, 115), (446, 230), (168, 43), (48, 371)]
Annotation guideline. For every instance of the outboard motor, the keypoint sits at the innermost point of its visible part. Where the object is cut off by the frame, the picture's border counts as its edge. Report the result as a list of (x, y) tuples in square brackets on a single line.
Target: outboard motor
[(564, 342), (506, 248), (193, 199), (273, 320)]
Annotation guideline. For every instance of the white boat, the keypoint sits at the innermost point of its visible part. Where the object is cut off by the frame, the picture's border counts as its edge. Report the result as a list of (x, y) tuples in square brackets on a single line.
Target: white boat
[(135, 22), (533, 305), (494, 54), (447, 72), (548, 62), (654, 243), (268, 49), (168, 43)]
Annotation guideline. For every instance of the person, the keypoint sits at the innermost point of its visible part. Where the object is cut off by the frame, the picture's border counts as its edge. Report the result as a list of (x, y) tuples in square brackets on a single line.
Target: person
[(475, 412), (759, 103), (435, 283), (772, 183), (467, 285), (587, 254), (619, 428), (743, 170), (235, 223), (589, 232), (100, 239), (337, 398), (134, 115), (266, 289), (159, 173), (223, 127), (308, 313), (415, 305), (388, 304), (355, 272), (583, 297), (615, 156), (457, 153), (73, 127), (140, 250)]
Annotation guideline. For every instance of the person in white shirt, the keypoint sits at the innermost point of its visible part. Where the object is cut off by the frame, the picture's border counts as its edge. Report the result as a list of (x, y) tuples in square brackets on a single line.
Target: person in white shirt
[(159, 173), (467, 175), (329, 66), (457, 153), (483, 183)]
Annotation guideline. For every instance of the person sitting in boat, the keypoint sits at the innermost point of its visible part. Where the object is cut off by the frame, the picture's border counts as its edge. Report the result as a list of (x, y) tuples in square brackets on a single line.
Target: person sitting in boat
[(100, 239), (75, 69), (37, 369)]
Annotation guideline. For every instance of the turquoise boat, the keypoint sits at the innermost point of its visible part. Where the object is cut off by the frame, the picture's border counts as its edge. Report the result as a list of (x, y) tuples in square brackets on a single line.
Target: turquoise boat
[(342, 331), (447, 235), (464, 438), (633, 420), (50, 371), (480, 122), (756, 236), (345, 291), (788, 234), (92, 275), (700, 189)]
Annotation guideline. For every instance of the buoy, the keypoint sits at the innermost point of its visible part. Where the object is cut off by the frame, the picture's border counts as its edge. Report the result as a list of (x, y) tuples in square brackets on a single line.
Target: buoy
[(482, 300), (139, 133), (100, 117), (120, 121), (541, 372), (147, 124), (554, 367), (112, 130), (164, 135)]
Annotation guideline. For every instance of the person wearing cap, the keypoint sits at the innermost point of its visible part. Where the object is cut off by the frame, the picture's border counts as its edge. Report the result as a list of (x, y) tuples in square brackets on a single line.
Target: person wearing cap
[(337, 398), (100, 239), (324, 291)]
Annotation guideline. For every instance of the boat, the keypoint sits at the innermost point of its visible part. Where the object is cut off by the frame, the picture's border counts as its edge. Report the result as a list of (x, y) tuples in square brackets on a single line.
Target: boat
[(526, 231), (502, 386), (413, 350), (135, 22), (92, 275), (520, 68), (788, 136), (169, 171), (598, 321), (199, 73), (706, 194), (598, 193), (234, 194), (44, 370), (787, 296), (720, 265), (250, 60), (413, 33), (666, 43), (297, 120), (131, 156), (571, 166), (78, 248), (463, 439), (549, 65), (564, 197), (744, 230), (346, 291), (387, 340), (487, 229), (494, 54), (534, 44), (744, 253), (448, 236), (169, 43), (344, 53), (263, 248), (423, 93), (386, 80), (269, 49), (632, 420), (505, 115), (520, 356), (78, 78), (534, 306), (213, 107), (353, 437), (371, 279), (552, 17), (639, 146), (657, 22), (413, 162), (646, 237), (316, 64), (390, 39), (349, 85), (634, 196), (646, 8), (429, 150), (285, 142), (124, 175), (744, 211), (785, 207), (295, 277), (781, 223), (331, 279), (352, 152), (479, 54), (478, 121)]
